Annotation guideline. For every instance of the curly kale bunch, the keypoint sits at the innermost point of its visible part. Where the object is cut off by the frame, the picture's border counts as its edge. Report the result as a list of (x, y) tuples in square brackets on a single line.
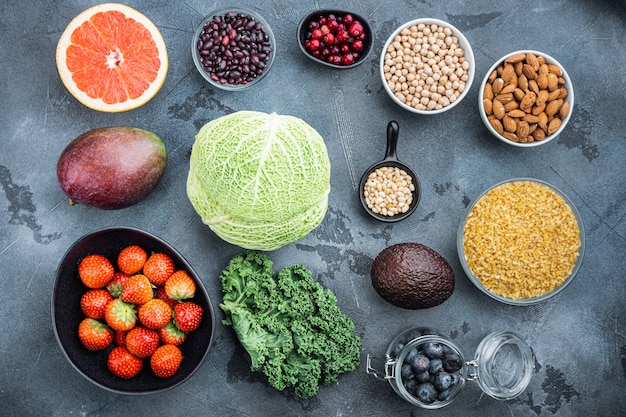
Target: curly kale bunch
[(290, 325)]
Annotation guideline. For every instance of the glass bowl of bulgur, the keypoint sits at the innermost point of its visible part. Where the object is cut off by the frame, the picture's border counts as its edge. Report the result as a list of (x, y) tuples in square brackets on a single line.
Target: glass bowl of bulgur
[(521, 242)]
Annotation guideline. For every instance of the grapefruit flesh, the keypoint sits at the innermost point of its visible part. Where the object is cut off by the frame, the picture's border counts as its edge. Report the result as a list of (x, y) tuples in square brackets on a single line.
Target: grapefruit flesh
[(112, 58)]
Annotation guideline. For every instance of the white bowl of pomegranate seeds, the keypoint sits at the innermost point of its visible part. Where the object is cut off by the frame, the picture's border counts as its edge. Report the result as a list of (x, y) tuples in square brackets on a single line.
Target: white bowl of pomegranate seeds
[(335, 38), (233, 48), (427, 66)]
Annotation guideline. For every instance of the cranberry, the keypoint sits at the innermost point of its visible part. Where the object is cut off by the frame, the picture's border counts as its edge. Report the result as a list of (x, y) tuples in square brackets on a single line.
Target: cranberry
[(313, 25), (324, 29), (336, 59), (312, 44), (317, 34), (342, 36), (347, 19), (344, 48), (357, 45), (328, 38), (355, 29), (333, 25), (322, 20), (348, 59)]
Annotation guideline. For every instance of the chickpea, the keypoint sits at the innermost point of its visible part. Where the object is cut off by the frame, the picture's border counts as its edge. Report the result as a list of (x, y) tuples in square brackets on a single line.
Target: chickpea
[(389, 191)]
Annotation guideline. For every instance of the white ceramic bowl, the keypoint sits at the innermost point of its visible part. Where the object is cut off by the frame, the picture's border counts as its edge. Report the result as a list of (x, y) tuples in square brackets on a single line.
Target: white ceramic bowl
[(462, 43), (569, 98)]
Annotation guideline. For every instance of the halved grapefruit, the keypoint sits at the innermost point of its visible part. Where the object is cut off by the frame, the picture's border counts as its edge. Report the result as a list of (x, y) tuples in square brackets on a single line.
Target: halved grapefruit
[(112, 58)]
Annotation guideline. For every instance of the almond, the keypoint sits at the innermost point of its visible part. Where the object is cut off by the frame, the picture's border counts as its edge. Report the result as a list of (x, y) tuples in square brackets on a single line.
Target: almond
[(488, 92), (528, 101), (519, 94), (530, 118), (532, 61), (517, 113), (498, 109), (510, 125), (543, 69), (522, 129), (497, 125), (554, 95), (542, 81), (554, 125), (505, 98), (532, 86), (529, 72), (543, 120), (553, 81), (516, 58), (509, 88), (542, 97), (564, 111), (522, 82), (511, 105), (555, 69), (488, 106), (538, 109), (510, 136), (562, 93), (493, 76), (539, 134), (497, 85), (553, 107), (507, 73), (518, 67)]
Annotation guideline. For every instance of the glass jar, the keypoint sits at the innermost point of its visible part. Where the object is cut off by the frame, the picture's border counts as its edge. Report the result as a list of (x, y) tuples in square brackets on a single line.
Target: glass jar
[(502, 367)]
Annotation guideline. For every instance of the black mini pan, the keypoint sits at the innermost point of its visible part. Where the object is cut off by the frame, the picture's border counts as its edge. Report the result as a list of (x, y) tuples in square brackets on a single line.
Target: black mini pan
[(391, 160)]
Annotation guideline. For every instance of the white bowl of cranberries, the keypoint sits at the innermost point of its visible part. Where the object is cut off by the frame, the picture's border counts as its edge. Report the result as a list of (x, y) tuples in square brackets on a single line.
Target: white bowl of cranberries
[(112, 330), (335, 38)]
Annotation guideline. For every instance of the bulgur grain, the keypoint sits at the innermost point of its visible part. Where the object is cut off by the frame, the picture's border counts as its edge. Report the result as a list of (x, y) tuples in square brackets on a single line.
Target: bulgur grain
[(521, 240)]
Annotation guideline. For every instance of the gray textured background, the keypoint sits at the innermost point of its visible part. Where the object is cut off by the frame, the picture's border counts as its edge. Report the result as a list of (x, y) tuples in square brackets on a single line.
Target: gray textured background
[(579, 337)]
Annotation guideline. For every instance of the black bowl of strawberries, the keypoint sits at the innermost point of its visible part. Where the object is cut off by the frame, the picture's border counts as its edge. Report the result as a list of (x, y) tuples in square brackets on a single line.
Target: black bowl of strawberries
[(335, 38), (129, 312)]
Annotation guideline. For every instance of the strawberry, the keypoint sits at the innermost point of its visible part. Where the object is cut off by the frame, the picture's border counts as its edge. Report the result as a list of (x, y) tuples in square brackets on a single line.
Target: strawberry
[(158, 268), (95, 271), (138, 290), (172, 335), (94, 301), (131, 259), (94, 335), (123, 363), (155, 314), (162, 295), (120, 315), (187, 316), (116, 285), (141, 341), (180, 286), (119, 337), (166, 360)]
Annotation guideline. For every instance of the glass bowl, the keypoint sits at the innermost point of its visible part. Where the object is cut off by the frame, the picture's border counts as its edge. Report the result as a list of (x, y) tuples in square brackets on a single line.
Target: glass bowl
[(67, 314), (510, 135), (233, 64), (424, 73), (505, 255)]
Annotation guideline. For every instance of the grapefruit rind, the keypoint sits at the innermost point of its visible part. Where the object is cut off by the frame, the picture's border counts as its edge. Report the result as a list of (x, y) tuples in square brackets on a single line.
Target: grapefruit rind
[(97, 103)]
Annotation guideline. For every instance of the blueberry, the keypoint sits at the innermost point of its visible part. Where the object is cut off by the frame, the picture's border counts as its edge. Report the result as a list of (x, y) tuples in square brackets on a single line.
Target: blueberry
[(409, 356), (423, 377), (452, 362), (411, 386), (443, 381), (433, 350), (397, 349), (435, 366), (420, 363), (426, 393), (455, 379), (407, 372), (444, 395)]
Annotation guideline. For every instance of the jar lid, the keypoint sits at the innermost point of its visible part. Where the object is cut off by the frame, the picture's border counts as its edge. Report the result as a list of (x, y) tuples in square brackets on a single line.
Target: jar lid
[(503, 366)]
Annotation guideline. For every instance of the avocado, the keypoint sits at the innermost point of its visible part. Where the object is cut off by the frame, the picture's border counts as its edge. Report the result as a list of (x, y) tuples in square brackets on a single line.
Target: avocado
[(412, 276)]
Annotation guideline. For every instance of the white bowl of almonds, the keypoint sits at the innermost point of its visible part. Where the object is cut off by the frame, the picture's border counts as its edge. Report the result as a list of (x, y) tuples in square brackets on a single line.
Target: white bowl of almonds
[(427, 66), (526, 98)]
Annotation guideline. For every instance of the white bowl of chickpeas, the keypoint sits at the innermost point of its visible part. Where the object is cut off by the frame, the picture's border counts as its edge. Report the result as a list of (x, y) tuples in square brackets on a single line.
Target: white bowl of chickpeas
[(526, 98), (427, 66)]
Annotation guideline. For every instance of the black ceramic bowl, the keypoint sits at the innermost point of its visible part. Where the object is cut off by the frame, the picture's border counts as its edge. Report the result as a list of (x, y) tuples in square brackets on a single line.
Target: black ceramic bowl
[(67, 314), (303, 31)]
